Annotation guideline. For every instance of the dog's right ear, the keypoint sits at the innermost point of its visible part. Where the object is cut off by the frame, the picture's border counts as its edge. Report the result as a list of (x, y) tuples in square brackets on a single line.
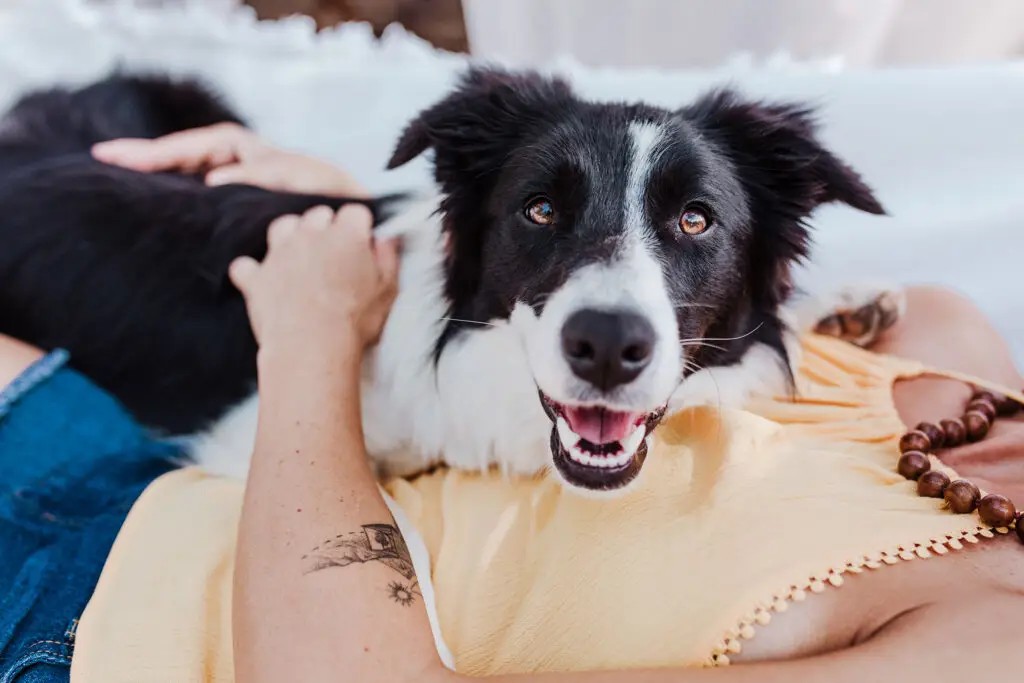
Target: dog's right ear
[(487, 114)]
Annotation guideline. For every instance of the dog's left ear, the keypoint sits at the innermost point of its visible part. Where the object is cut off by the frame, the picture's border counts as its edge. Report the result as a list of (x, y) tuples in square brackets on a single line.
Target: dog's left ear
[(787, 173), (779, 155), (473, 128)]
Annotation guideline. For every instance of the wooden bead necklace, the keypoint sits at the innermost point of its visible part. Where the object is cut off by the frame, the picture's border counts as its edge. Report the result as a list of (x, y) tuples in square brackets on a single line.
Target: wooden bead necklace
[(961, 496)]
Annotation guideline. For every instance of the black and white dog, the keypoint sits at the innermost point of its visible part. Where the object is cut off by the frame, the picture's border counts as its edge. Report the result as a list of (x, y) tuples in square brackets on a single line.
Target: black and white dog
[(584, 268)]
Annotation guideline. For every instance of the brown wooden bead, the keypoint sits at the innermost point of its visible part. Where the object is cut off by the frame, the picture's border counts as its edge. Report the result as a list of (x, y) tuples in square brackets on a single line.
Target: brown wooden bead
[(983, 406), (956, 432), (915, 441), (1007, 407), (996, 510), (932, 484), (962, 496), (984, 395), (913, 464), (1020, 527), (977, 425), (935, 435)]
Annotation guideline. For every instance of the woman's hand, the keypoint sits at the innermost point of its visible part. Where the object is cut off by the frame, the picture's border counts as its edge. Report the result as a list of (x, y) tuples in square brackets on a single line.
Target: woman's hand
[(324, 284), (229, 153)]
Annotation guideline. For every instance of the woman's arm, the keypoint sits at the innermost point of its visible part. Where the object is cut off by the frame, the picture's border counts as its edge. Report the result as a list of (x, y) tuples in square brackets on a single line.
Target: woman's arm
[(15, 357), (324, 588), (323, 583)]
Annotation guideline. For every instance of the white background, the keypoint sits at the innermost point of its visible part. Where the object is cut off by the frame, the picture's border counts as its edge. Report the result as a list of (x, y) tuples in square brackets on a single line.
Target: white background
[(689, 33), (943, 147)]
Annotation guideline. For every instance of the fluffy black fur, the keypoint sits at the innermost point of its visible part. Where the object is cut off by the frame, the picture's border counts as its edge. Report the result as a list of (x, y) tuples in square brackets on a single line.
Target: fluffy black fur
[(502, 139), (128, 270)]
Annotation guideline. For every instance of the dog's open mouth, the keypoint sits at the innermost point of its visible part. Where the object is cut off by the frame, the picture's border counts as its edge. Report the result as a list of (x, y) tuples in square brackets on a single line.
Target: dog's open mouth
[(597, 448)]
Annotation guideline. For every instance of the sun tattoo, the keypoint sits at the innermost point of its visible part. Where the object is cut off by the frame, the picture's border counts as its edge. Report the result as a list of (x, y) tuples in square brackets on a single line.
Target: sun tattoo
[(372, 543), (403, 594)]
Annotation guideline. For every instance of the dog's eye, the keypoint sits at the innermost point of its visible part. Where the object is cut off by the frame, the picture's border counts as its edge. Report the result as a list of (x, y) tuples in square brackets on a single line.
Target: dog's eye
[(694, 221), (540, 211)]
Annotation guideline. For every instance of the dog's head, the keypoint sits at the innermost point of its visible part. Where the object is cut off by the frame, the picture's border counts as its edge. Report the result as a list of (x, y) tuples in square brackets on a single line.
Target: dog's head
[(631, 245)]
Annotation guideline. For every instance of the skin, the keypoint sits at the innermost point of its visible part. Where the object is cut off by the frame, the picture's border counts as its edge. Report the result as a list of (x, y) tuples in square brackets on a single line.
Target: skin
[(946, 619)]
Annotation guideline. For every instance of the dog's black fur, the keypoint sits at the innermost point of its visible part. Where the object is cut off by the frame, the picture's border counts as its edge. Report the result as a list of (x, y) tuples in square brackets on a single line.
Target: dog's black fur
[(127, 270)]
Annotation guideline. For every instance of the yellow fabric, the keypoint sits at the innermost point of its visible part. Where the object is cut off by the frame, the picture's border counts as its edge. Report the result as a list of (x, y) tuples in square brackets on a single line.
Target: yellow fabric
[(734, 515), (161, 612)]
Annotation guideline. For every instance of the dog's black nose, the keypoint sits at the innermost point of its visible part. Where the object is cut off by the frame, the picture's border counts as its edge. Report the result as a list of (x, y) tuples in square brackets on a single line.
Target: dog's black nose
[(607, 348)]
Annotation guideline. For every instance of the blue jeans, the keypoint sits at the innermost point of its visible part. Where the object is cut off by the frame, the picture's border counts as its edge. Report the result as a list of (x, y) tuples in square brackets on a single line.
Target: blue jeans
[(72, 463)]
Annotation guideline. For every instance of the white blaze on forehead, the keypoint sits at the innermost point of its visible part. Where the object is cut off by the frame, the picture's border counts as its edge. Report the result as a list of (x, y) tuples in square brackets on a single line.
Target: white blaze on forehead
[(644, 139), (631, 279)]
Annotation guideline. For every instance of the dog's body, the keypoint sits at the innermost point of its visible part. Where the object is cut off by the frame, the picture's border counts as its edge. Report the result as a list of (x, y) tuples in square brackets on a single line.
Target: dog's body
[(618, 260)]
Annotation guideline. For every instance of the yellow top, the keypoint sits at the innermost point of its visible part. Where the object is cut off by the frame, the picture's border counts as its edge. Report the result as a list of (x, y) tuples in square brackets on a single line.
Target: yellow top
[(735, 514)]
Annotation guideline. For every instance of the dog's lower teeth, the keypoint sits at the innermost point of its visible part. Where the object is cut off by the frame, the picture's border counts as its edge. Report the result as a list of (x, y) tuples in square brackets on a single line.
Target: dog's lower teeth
[(571, 442)]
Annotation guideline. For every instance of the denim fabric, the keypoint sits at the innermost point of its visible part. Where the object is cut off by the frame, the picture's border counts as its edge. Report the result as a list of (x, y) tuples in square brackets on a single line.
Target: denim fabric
[(72, 462)]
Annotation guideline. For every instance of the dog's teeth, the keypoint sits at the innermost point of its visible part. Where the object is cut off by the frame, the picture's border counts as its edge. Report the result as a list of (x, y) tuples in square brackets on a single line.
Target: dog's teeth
[(568, 437), (571, 442), (578, 455), (632, 442)]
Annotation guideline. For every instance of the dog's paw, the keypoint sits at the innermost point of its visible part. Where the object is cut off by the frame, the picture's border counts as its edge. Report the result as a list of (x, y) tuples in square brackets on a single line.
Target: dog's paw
[(860, 314)]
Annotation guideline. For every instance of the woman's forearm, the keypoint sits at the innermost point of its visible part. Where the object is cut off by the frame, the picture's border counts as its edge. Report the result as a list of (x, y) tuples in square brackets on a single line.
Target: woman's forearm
[(324, 588)]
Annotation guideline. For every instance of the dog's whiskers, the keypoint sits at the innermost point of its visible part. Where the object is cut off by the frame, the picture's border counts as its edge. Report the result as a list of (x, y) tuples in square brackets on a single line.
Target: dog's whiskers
[(707, 339), (469, 322), (691, 365), (686, 342)]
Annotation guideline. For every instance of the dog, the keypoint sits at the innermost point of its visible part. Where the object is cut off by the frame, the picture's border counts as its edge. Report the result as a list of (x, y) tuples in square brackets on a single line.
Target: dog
[(580, 270)]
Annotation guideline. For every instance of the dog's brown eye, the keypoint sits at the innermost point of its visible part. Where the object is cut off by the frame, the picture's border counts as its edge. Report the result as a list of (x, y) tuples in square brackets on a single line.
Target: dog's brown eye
[(694, 221), (540, 211)]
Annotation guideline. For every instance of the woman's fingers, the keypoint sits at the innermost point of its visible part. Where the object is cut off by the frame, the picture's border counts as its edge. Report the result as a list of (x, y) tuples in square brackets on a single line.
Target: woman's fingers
[(355, 221), (242, 272), (231, 174), (188, 151), (386, 253), (318, 218), (281, 229), (261, 173)]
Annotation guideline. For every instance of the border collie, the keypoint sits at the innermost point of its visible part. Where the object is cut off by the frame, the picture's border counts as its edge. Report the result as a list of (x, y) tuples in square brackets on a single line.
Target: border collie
[(584, 268)]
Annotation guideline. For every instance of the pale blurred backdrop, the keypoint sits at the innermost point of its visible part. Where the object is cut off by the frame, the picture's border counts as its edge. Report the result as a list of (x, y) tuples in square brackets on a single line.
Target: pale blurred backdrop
[(924, 97), (694, 33)]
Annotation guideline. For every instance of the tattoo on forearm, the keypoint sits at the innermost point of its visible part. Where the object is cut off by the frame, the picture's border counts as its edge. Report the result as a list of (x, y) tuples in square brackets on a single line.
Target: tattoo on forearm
[(372, 543)]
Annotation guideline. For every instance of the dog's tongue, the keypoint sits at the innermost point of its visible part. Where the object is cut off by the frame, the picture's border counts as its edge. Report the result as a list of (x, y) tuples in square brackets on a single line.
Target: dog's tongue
[(599, 425)]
